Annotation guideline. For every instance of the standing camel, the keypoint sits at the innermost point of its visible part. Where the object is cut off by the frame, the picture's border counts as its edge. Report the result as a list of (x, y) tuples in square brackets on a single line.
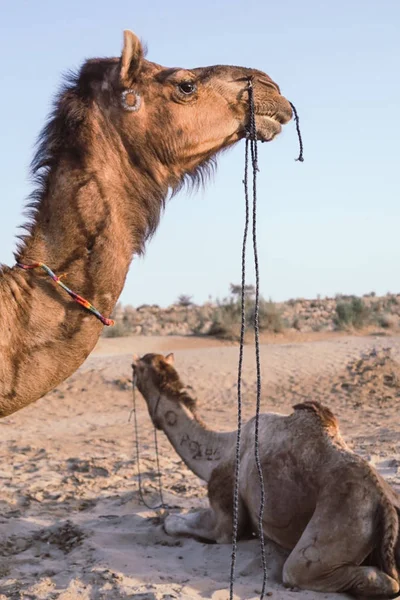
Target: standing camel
[(124, 133), (328, 506)]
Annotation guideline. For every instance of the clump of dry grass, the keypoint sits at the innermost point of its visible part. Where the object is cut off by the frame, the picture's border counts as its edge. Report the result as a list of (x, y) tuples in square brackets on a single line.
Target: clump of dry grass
[(352, 313), (226, 321)]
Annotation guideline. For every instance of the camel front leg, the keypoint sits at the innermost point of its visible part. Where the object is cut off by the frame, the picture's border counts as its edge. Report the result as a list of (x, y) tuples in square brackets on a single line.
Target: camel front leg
[(206, 524), (215, 523), (199, 524)]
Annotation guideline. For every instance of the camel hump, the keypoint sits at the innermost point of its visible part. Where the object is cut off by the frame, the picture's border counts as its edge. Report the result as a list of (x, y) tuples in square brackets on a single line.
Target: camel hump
[(324, 414)]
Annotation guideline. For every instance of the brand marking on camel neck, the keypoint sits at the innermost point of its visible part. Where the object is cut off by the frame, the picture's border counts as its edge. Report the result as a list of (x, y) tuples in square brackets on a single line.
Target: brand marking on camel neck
[(200, 451), (171, 418)]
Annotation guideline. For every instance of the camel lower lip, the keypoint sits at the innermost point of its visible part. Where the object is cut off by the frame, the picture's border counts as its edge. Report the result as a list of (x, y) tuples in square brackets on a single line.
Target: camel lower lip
[(267, 128)]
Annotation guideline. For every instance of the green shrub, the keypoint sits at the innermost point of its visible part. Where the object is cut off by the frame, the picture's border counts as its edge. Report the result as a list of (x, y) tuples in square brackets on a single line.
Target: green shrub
[(226, 321), (387, 321), (296, 324), (118, 330), (184, 300), (351, 313), (269, 317)]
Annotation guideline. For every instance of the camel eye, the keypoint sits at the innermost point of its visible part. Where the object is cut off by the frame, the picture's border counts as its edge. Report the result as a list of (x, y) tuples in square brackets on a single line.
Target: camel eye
[(187, 87)]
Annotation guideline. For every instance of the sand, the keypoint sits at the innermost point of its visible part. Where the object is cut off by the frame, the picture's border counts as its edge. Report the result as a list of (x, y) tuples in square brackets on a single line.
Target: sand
[(72, 525)]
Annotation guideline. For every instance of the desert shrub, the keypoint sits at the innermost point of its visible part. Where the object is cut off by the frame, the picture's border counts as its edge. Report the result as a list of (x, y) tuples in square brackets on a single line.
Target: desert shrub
[(236, 290), (269, 317), (392, 300), (198, 328), (225, 322), (296, 324), (118, 330), (174, 317), (351, 313), (377, 306), (184, 300), (387, 321), (343, 297), (226, 319)]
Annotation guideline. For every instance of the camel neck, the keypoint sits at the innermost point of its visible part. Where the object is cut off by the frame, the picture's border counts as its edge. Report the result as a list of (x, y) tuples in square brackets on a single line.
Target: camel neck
[(200, 448), (84, 225), (84, 237)]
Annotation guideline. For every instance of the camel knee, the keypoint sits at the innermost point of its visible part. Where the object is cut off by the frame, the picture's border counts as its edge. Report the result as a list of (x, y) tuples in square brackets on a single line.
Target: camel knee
[(293, 576), (300, 574), (368, 581)]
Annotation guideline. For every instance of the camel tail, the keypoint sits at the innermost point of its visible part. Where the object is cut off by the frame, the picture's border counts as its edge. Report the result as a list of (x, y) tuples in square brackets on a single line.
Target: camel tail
[(389, 529), (390, 533)]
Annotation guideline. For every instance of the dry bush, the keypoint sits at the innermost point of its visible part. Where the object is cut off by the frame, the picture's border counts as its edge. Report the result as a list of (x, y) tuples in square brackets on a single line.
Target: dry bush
[(118, 330), (226, 321), (351, 312)]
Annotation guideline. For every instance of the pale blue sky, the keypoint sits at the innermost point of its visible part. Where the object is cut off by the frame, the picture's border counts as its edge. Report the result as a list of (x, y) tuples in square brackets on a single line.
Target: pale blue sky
[(329, 225)]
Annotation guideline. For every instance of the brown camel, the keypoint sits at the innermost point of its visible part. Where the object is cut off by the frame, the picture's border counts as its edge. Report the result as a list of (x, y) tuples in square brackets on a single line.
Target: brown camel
[(336, 514), (124, 133)]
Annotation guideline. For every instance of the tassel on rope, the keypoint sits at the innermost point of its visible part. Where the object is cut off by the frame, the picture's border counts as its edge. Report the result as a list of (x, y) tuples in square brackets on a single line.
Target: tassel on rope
[(75, 297), (300, 158)]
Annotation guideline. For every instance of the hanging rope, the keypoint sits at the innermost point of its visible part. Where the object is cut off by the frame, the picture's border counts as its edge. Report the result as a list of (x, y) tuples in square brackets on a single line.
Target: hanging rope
[(254, 160), (135, 423), (239, 379), (251, 140)]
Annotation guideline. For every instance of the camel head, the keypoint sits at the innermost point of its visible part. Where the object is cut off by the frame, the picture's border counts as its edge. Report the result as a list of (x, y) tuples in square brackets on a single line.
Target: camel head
[(177, 119), (156, 377)]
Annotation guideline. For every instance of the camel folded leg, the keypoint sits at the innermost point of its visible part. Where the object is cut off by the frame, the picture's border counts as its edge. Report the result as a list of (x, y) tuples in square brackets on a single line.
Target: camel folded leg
[(214, 523), (366, 581), (206, 524), (200, 524), (328, 556)]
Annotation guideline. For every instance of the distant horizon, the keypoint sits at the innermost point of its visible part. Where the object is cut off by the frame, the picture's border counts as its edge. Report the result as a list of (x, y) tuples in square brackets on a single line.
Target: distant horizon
[(316, 298)]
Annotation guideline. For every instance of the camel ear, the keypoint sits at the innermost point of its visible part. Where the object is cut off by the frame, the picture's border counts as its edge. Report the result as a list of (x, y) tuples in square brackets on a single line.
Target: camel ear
[(135, 360), (170, 359), (131, 58)]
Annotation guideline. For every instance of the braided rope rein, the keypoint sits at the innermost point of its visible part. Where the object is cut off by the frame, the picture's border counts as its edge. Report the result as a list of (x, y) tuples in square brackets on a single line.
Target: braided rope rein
[(251, 140), (136, 428)]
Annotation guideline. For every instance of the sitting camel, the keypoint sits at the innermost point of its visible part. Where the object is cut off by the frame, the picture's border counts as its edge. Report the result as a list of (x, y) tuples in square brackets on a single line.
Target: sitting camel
[(327, 505)]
